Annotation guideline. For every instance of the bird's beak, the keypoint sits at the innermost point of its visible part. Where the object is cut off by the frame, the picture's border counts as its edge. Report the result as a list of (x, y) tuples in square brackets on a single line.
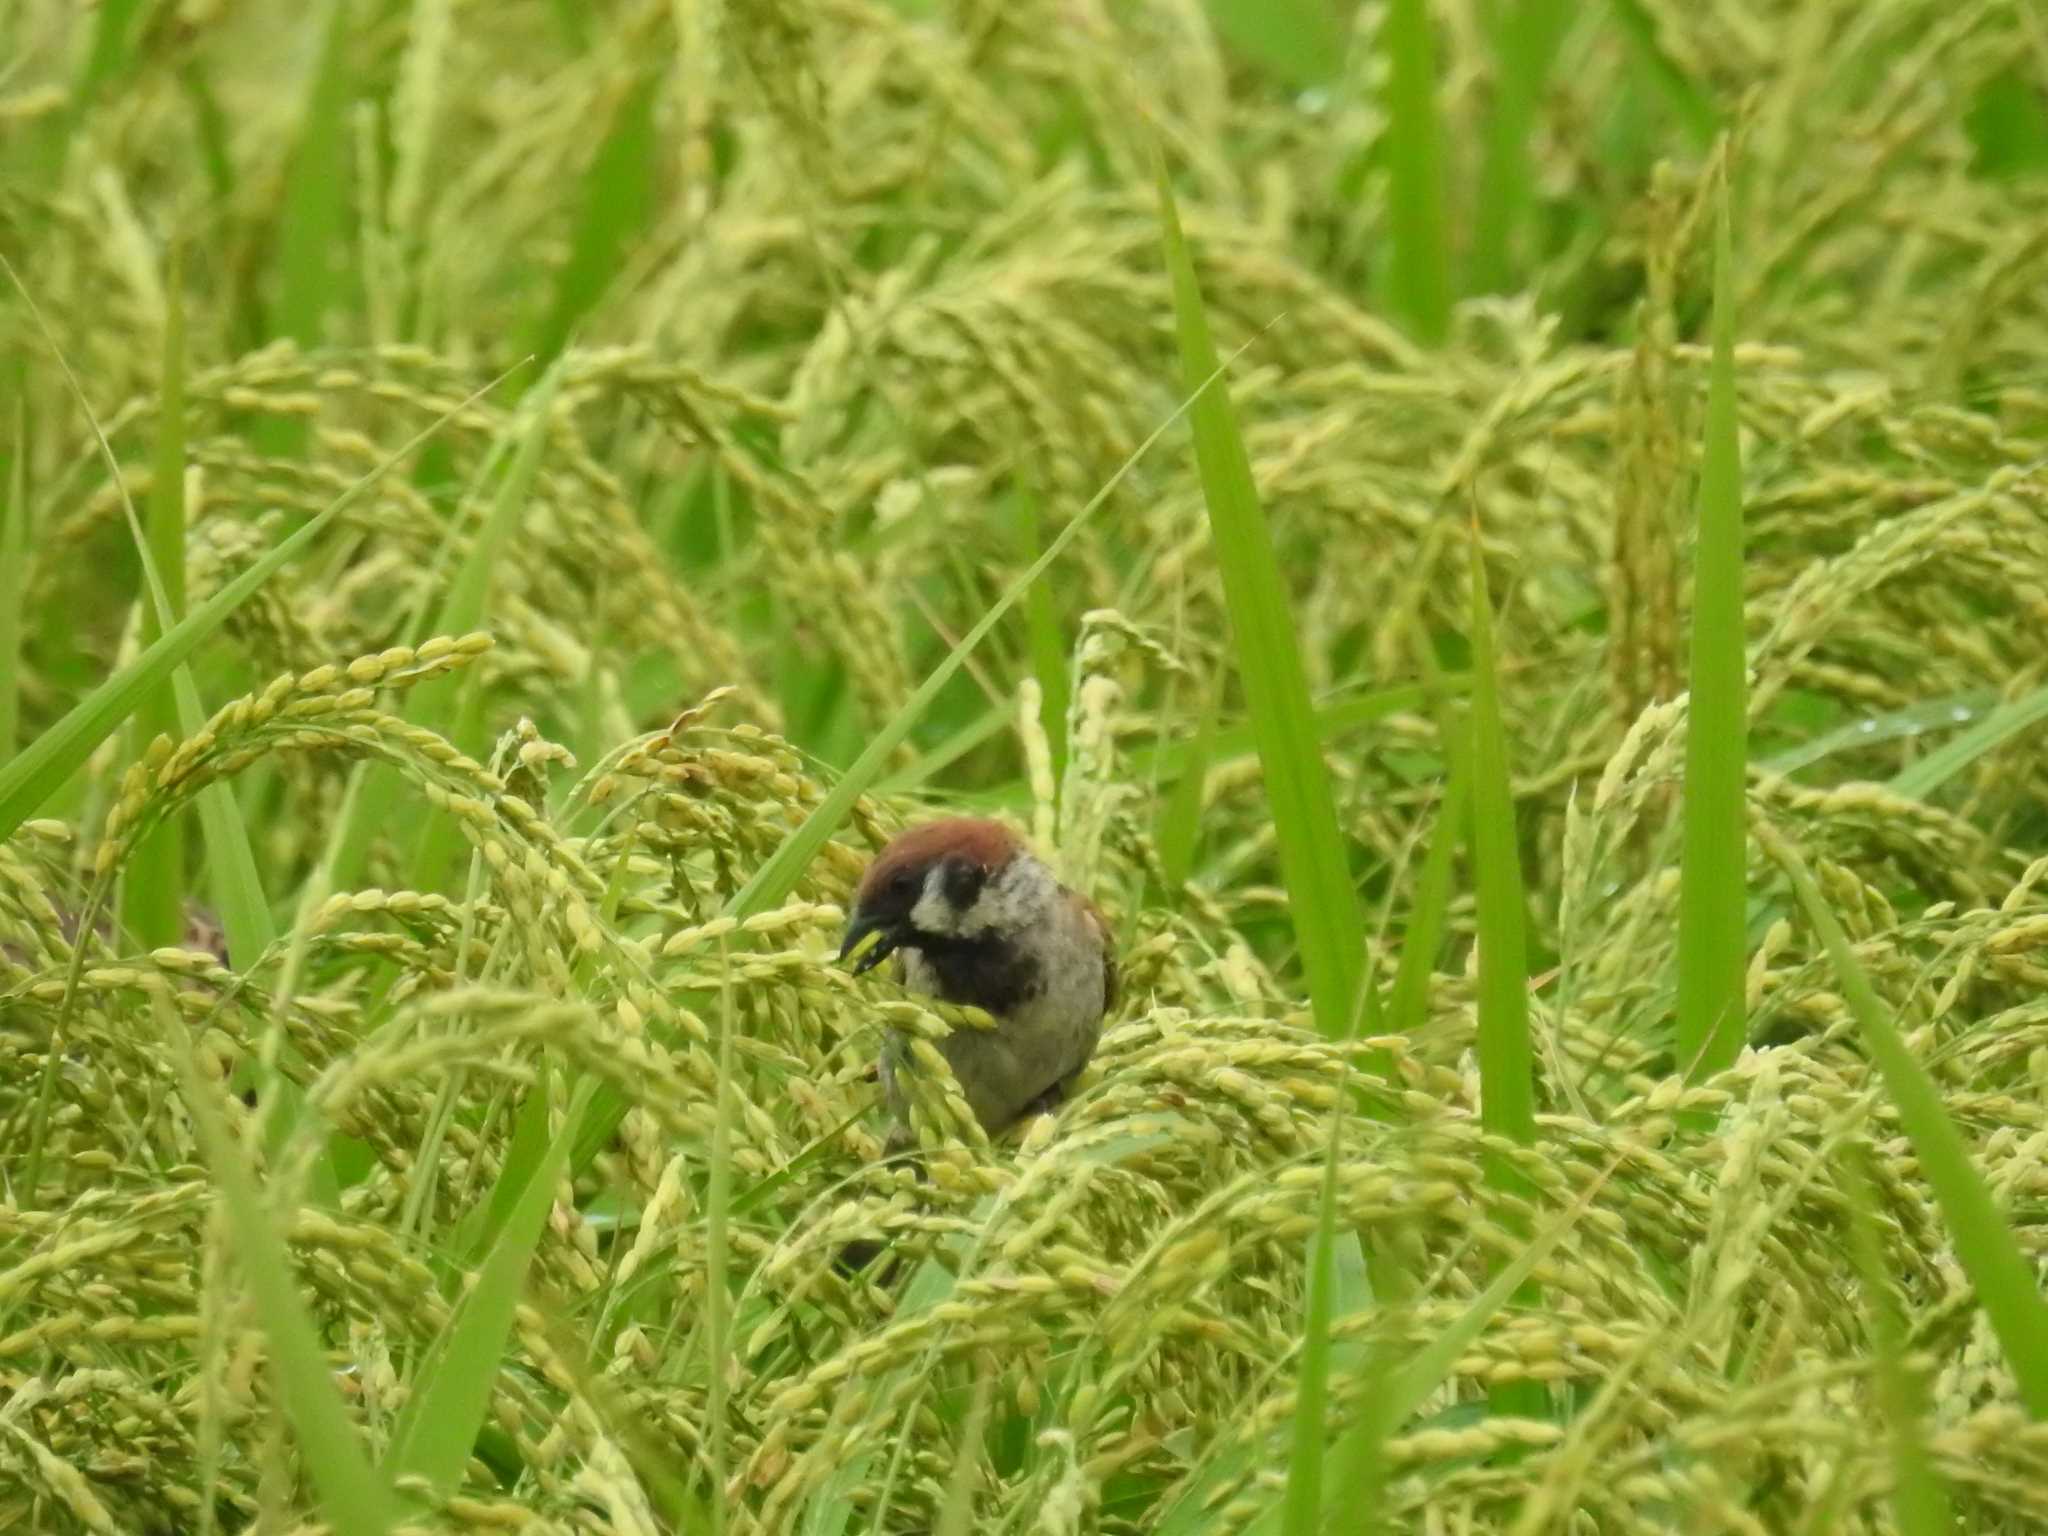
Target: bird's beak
[(872, 938)]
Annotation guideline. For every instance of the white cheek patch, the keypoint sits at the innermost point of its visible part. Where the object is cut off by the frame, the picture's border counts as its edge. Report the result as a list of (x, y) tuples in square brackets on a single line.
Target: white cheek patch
[(1017, 898), (1014, 898), (933, 912)]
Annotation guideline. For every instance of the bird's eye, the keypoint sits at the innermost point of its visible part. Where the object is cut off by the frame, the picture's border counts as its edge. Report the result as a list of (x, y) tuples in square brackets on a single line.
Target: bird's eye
[(902, 882)]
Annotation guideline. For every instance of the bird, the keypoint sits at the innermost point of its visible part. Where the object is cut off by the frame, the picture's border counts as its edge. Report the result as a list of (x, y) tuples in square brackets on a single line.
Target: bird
[(974, 917)]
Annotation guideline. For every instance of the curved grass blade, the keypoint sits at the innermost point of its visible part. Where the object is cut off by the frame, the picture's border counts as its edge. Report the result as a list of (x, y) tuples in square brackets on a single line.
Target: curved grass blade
[(438, 1426), (354, 1499), (1938, 767), (985, 727), (1891, 725), (1986, 1246), (448, 705), (42, 767), (1919, 1502), (1328, 921)]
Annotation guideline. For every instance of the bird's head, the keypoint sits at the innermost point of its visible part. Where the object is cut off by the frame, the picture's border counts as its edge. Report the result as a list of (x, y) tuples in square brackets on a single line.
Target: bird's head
[(937, 882)]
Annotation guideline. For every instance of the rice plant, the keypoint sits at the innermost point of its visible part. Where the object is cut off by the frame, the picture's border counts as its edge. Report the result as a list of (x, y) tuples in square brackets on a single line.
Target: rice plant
[(503, 510)]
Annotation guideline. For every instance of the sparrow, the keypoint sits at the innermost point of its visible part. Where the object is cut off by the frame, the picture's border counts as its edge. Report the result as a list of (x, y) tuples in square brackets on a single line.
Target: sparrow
[(973, 916)]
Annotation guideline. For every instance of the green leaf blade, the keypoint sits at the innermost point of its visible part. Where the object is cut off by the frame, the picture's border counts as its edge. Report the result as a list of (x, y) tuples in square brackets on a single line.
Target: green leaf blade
[(1507, 1078), (616, 200), (1713, 892), (1417, 284), (13, 581), (1529, 35), (1507, 1102), (439, 1424), (1329, 922), (355, 1500), (1985, 1244), (1298, 42), (43, 767), (153, 886), (312, 225)]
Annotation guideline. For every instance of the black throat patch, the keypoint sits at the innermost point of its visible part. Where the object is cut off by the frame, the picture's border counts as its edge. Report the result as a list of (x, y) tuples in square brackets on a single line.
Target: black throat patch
[(983, 972)]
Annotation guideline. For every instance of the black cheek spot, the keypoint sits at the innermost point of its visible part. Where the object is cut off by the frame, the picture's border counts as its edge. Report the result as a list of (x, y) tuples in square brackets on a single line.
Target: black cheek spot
[(964, 880)]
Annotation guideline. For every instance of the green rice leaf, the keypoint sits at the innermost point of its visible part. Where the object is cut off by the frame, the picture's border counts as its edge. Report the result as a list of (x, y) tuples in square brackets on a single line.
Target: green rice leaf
[(1296, 41), (1049, 662), (438, 1425), (1507, 1086), (13, 579), (617, 194), (450, 705), (1691, 102), (36, 774), (1329, 925), (354, 1499), (1713, 894), (1408, 1002), (1302, 1510), (1923, 778), (1417, 283), (1985, 1244), (110, 48), (1888, 725), (1919, 1503), (718, 1353), (1507, 1103), (1180, 815), (1527, 36), (312, 238), (153, 885)]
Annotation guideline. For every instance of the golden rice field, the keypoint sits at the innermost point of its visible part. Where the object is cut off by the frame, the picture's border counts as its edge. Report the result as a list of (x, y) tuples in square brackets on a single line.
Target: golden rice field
[(606, 468)]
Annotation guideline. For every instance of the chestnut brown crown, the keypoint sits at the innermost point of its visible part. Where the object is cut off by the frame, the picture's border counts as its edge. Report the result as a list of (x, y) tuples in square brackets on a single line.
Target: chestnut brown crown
[(988, 845), (967, 850)]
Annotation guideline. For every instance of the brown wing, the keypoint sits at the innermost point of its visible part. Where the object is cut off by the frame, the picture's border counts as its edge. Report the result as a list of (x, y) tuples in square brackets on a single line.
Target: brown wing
[(1110, 978)]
